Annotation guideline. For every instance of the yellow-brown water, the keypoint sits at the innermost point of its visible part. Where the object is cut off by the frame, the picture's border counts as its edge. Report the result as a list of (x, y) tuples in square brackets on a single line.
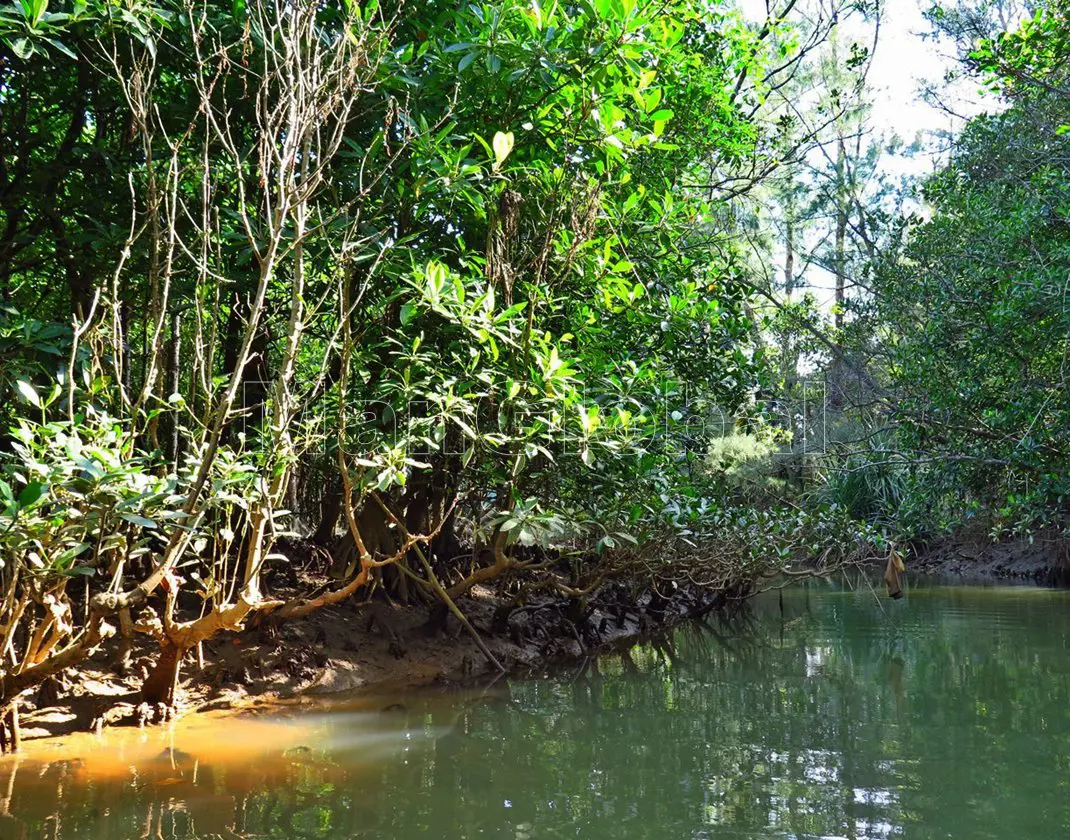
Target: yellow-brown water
[(945, 715)]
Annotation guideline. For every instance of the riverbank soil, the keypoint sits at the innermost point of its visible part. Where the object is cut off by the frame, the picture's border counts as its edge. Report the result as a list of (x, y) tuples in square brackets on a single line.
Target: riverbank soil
[(1043, 558), (353, 646)]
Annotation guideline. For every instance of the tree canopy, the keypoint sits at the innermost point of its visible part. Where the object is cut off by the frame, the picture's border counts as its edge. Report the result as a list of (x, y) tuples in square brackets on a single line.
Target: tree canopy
[(502, 292)]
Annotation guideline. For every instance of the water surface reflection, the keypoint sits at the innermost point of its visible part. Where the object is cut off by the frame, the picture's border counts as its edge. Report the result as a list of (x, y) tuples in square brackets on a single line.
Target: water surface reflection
[(946, 714)]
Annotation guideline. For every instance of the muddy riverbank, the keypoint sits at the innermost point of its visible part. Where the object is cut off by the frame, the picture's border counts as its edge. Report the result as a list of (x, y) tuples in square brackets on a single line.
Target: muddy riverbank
[(1043, 558), (376, 647), (383, 648)]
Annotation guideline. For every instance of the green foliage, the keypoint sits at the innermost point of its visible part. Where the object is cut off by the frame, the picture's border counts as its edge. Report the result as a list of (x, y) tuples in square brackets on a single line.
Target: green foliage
[(779, 537), (436, 259), (745, 465), (870, 487), (78, 500), (1030, 58), (978, 296), (733, 453)]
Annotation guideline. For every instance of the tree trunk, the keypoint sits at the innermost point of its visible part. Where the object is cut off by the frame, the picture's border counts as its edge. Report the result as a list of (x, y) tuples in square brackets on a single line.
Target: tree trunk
[(10, 732), (160, 684), (788, 370), (836, 395), (173, 382), (330, 511)]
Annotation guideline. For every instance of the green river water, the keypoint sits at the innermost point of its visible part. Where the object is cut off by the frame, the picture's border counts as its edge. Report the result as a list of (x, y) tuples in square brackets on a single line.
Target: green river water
[(945, 714)]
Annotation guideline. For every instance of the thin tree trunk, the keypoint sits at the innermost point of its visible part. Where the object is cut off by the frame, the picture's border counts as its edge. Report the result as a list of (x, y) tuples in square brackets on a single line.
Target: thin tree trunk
[(173, 381), (331, 510), (836, 395)]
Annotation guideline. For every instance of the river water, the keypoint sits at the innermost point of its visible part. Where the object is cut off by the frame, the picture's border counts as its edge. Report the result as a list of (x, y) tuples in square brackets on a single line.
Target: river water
[(832, 714)]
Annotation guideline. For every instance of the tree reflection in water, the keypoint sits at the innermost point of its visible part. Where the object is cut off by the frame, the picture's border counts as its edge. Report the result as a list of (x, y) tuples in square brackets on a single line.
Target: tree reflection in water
[(945, 715)]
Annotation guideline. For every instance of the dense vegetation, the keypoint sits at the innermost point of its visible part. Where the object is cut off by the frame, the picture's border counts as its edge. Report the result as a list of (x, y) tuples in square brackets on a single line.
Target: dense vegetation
[(471, 293), (965, 319)]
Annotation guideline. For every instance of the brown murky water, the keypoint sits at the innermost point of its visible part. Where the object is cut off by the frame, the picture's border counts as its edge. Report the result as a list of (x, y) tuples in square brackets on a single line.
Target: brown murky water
[(214, 774)]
